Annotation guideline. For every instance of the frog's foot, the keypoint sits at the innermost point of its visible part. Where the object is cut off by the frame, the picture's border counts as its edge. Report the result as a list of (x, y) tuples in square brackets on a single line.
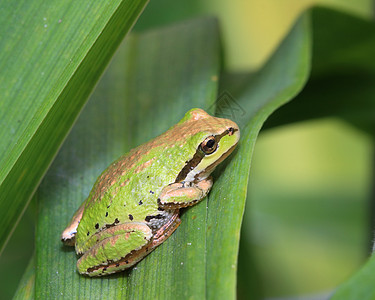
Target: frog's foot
[(69, 234), (118, 248), (103, 258), (183, 194)]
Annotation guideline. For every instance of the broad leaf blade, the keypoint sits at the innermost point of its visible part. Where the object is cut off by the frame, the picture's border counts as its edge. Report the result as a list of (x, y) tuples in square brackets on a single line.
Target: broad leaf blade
[(151, 83), (51, 57)]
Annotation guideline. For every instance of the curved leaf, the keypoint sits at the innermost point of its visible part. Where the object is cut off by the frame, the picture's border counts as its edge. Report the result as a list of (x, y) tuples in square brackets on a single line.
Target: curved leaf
[(51, 56), (343, 72), (154, 79), (275, 84)]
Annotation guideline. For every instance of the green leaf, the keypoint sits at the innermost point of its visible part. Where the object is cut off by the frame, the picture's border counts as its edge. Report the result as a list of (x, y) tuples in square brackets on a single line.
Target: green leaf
[(154, 79), (51, 57)]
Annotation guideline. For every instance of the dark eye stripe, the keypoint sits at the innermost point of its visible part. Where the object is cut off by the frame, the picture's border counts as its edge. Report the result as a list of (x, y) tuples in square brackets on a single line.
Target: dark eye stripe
[(190, 165), (198, 156)]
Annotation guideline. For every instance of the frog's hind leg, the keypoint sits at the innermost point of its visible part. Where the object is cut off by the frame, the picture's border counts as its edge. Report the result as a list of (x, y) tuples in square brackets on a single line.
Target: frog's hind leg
[(118, 248), (69, 233), (126, 245)]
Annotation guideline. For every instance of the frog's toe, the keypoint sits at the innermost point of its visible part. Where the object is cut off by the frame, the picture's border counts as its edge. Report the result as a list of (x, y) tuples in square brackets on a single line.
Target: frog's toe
[(68, 239)]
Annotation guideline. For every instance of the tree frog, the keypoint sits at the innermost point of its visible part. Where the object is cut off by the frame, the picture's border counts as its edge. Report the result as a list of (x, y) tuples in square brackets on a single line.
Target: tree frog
[(134, 204)]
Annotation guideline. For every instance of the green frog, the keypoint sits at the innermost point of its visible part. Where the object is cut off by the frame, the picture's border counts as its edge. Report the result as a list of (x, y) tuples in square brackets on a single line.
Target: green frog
[(134, 204)]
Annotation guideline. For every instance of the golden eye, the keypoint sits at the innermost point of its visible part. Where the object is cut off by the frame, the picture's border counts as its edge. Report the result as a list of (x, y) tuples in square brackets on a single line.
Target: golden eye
[(209, 145)]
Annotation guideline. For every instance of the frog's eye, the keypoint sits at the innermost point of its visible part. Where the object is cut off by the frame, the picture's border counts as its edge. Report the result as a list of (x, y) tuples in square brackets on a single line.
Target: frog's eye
[(209, 145)]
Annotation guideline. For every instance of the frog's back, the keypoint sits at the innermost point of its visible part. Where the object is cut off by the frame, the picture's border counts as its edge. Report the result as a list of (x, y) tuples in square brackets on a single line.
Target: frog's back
[(127, 191)]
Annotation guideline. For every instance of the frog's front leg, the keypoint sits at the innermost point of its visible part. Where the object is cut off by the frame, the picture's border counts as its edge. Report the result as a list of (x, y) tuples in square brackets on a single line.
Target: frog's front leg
[(69, 233), (183, 194), (118, 248)]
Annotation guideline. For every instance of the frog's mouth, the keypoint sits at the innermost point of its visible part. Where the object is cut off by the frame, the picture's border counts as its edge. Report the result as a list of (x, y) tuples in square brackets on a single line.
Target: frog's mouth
[(195, 170)]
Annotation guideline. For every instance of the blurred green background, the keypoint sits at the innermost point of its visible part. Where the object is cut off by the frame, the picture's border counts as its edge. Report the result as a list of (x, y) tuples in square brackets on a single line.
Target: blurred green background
[(306, 226)]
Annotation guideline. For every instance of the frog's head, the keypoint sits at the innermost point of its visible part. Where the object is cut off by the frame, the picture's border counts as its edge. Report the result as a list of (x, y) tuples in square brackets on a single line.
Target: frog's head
[(210, 139)]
